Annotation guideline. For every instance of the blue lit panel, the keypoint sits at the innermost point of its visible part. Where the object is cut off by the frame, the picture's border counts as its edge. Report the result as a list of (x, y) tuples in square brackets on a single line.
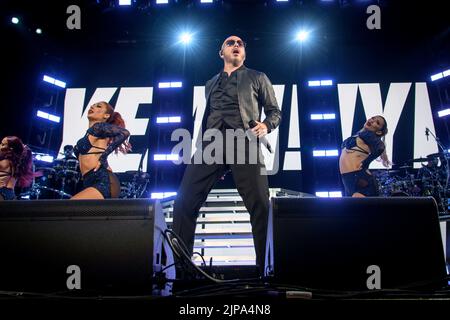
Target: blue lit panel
[(329, 194), (54, 81), (444, 112), (162, 195), (48, 116), (165, 85), (326, 153), (166, 157)]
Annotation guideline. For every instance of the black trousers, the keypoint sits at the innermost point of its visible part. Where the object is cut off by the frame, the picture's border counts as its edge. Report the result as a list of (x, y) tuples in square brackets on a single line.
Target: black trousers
[(196, 184)]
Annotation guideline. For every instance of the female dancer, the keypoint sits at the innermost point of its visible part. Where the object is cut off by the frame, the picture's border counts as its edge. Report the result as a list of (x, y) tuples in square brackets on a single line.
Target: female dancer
[(16, 166), (106, 134), (358, 151)]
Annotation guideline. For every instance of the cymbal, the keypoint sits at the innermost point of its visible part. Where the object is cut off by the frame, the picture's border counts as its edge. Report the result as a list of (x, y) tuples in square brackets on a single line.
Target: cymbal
[(405, 167), (418, 160), (141, 174), (437, 155), (45, 169), (64, 160), (131, 172)]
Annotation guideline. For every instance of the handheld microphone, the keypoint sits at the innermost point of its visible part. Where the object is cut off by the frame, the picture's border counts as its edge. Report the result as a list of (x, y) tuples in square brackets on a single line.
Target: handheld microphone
[(427, 132), (252, 124)]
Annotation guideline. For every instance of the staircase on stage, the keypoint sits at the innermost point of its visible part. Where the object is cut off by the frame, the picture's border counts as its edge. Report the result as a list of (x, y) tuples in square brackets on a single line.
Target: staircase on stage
[(223, 230)]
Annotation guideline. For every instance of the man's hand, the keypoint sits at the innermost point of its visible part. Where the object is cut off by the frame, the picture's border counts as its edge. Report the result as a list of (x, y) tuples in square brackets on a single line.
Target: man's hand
[(260, 130)]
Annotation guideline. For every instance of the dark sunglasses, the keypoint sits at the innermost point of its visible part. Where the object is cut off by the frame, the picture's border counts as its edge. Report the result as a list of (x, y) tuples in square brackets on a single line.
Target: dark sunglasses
[(231, 43)]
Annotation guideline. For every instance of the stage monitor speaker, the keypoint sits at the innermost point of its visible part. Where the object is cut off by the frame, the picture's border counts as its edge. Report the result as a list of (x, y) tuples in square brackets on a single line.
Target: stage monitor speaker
[(355, 243), (90, 246)]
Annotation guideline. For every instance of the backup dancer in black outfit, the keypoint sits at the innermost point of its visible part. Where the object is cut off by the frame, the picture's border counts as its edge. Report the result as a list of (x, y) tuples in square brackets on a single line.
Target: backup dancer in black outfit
[(106, 134), (358, 151), (16, 166)]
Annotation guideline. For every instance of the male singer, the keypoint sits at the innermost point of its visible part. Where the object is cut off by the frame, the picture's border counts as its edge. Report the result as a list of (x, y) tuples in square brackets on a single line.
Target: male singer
[(234, 97)]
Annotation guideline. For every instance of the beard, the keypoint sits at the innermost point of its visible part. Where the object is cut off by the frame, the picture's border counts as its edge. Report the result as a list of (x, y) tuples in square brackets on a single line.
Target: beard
[(235, 61)]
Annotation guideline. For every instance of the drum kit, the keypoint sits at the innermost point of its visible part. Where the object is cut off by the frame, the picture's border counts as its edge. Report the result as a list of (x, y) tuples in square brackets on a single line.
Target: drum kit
[(134, 184), (57, 182), (430, 180)]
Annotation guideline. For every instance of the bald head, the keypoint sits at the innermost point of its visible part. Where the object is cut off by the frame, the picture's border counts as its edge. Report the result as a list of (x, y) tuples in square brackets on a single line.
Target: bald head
[(233, 51)]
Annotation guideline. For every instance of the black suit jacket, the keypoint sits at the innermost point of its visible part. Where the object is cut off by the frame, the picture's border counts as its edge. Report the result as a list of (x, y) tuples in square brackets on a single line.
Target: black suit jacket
[(255, 93)]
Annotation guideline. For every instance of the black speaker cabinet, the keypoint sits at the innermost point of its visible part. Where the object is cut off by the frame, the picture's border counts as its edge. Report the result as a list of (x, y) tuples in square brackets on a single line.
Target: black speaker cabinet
[(91, 246), (338, 243)]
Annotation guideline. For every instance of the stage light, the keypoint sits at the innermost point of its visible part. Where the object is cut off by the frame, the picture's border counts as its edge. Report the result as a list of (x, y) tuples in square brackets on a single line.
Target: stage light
[(172, 157), (162, 1), (335, 194), (329, 194), (54, 118), (322, 194), (163, 85), (443, 113), (46, 158), (326, 82), (49, 79), (159, 157), (302, 36), (319, 153), (206, 1), (282, 0), (324, 116), (176, 84), (60, 83), (331, 153), (15, 20), (326, 153), (320, 83), (437, 76), (162, 120), (166, 157), (315, 83), (124, 2), (186, 38), (440, 75), (39, 31), (43, 157), (162, 195), (157, 195), (48, 116), (176, 119), (54, 81), (169, 194), (42, 114)]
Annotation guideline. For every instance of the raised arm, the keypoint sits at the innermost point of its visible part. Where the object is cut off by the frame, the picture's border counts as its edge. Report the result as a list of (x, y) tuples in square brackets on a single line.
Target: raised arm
[(375, 144)]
